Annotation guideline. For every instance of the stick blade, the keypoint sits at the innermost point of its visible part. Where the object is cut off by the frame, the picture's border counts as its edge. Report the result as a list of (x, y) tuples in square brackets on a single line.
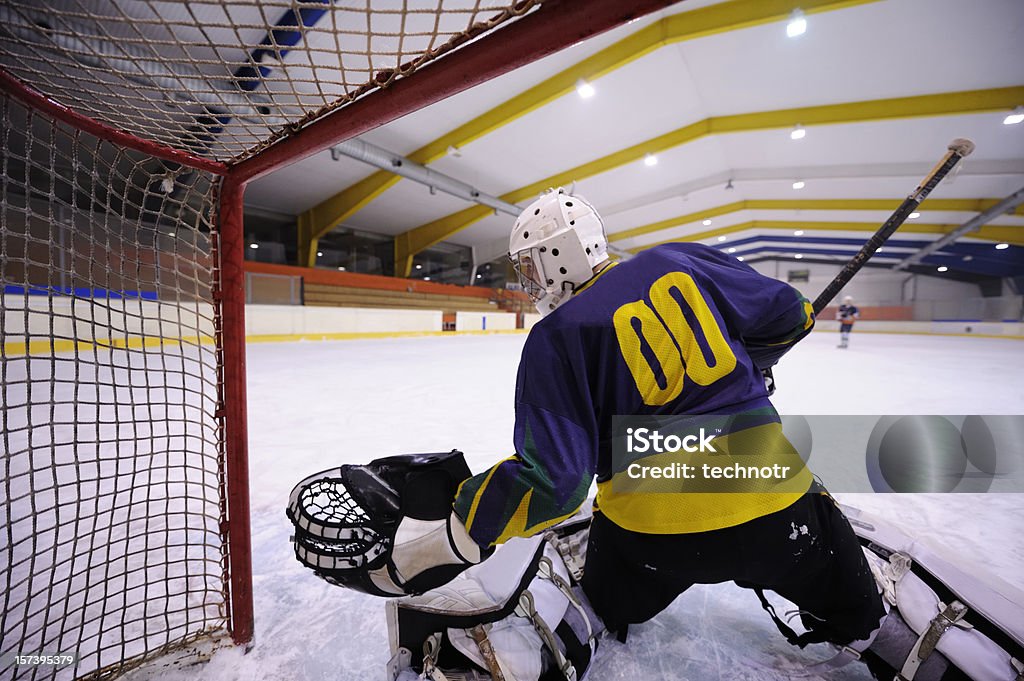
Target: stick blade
[(962, 146)]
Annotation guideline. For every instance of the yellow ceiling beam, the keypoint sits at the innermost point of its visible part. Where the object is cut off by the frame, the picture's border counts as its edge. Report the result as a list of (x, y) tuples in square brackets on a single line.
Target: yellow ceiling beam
[(698, 23), (415, 240), (999, 233), (966, 205)]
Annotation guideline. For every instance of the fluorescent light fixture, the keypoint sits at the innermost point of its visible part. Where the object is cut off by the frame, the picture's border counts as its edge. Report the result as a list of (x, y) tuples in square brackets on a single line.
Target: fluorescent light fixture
[(1002, 247), (650, 160), (585, 89), (913, 216), (254, 245), (798, 132), (731, 250), (706, 223), (798, 256), (799, 184), (1016, 117), (943, 268), (721, 238), (798, 232), (797, 24), (319, 254)]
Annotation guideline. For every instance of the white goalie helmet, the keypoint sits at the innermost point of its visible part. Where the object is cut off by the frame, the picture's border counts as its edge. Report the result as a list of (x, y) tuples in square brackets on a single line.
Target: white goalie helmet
[(555, 245)]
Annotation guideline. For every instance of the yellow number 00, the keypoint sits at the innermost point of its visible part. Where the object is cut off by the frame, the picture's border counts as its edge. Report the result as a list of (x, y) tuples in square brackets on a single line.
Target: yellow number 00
[(672, 342)]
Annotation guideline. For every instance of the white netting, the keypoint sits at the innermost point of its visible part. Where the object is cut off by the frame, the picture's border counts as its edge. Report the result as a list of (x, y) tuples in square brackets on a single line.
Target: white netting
[(110, 535), (224, 79)]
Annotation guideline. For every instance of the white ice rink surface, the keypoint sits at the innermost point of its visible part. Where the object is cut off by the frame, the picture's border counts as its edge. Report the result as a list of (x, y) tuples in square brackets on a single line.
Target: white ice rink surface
[(319, 404)]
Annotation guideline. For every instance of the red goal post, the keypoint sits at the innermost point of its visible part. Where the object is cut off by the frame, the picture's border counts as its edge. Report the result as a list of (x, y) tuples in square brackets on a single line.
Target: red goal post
[(128, 140)]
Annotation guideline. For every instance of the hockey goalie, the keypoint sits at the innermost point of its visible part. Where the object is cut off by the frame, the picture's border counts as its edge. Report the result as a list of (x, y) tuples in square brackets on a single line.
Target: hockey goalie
[(500, 575)]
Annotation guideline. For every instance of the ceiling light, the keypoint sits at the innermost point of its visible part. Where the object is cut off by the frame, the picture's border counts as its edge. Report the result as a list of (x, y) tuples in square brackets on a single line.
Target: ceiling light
[(798, 232), (479, 276), (913, 216), (1002, 247), (419, 267), (798, 132), (254, 245), (799, 184), (706, 223), (797, 24), (740, 258), (798, 256), (650, 160), (721, 238), (1016, 117), (585, 89), (943, 268), (319, 254), (341, 269), (426, 278), (731, 250)]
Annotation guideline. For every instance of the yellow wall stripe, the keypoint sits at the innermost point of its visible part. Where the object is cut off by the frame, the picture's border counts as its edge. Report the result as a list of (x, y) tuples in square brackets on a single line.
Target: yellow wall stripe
[(48, 347)]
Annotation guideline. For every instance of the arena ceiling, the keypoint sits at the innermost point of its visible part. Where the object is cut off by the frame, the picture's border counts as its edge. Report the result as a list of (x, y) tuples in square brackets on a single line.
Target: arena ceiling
[(713, 91)]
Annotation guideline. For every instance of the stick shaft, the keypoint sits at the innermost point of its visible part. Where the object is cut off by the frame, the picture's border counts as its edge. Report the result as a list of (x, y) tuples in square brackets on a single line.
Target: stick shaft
[(908, 206)]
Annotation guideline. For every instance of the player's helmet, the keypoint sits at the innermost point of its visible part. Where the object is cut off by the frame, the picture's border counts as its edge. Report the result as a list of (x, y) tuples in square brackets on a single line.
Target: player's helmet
[(554, 247)]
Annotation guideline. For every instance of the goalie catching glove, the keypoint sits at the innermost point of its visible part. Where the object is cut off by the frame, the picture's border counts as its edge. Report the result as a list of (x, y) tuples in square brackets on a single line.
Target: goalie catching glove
[(385, 528)]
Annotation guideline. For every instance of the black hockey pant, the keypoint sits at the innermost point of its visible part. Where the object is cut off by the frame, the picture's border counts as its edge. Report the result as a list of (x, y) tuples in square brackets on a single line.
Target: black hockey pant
[(807, 553)]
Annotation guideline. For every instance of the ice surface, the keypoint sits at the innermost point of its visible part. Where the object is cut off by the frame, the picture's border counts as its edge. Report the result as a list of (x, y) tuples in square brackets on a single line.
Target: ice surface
[(316, 405)]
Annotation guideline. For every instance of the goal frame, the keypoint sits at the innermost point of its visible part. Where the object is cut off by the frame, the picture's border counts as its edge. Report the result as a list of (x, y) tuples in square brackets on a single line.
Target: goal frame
[(556, 24)]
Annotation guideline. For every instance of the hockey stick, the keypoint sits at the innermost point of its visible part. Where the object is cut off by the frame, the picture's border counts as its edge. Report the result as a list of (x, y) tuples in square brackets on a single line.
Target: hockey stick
[(958, 149)]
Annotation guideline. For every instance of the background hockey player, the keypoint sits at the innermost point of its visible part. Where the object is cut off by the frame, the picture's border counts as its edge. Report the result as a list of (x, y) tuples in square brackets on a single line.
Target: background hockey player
[(594, 356), (847, 314)]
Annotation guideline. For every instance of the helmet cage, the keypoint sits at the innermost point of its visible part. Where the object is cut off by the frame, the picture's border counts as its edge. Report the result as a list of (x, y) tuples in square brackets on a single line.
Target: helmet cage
[(551, 269), (529, 270)]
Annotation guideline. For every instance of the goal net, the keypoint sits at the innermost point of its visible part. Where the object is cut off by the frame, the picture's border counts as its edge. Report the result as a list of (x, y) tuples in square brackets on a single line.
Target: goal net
[(129, 130), (113, 473)]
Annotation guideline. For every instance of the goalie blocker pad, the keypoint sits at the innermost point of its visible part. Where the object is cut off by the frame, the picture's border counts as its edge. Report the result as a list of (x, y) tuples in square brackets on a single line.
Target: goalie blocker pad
[(518, 616), (974, 623), (346, 518)]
